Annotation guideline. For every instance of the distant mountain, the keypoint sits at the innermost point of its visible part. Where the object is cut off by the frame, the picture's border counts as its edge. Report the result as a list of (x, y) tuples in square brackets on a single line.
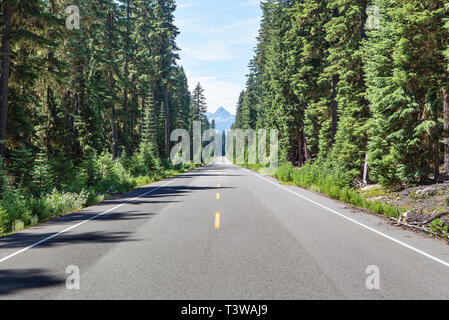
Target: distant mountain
[(223, 119)]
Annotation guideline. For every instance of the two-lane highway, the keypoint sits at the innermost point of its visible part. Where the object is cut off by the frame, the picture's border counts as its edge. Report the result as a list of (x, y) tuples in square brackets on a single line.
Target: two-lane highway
[(222, 232)]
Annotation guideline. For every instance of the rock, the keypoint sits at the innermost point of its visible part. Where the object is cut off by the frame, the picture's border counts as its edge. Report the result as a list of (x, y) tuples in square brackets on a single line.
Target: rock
[(406, 192), (427, 191), (380, 198), (374, 186)]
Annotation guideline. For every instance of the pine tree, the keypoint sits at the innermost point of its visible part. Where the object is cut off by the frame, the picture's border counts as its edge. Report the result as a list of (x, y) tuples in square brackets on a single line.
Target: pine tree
[(164, 36), (308, 34), (345, 34), (199, 106), (238, 117), (180, 100), (7, 11), (405, 72)]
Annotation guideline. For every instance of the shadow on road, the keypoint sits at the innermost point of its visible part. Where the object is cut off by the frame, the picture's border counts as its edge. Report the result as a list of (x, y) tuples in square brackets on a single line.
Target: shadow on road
[(12, 281), (25, 239), (167, 191), (207, 175)]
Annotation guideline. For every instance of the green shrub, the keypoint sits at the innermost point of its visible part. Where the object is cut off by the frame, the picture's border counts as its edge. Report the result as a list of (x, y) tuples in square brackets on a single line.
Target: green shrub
[(285, 172), (4, 220), (94, 198), (89, 170), (41, 208), (438, 226), (16, 206), (62, 203), (144, 162), (42, 176), (18, 225)]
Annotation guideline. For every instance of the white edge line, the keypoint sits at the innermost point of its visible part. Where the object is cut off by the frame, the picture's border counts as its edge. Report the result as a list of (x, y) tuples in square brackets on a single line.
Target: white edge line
[(446, 264), (81, 223)]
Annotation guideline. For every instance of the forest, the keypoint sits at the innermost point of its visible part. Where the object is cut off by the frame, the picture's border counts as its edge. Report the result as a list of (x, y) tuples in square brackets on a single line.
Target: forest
[(86, 110), (353, 85)]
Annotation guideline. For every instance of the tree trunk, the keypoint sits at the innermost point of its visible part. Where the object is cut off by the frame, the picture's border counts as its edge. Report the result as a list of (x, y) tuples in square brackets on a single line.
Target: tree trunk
[(300, 148), (436, 149), (126, 129), (446, 129), (135, 104), (80, 106), (111, 92), (334, 107), (166, 114), (366, 170), (4, 78), (306, 150)]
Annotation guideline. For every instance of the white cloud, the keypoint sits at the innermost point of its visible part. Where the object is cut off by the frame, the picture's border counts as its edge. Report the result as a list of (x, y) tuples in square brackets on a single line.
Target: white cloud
[(187, 5), (211, 51), (242, 25)]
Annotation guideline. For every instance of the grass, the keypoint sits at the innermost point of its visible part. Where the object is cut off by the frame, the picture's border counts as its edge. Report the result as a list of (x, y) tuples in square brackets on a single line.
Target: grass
[(376, 192), (328, 179)]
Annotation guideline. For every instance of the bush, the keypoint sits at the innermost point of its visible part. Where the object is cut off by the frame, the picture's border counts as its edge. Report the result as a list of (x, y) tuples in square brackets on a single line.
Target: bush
[(15, 204), (62, 203), (4, 220), (42, 176), (41, 208), (144, 162), (94, 198), (439, 227), (327, 177), (285, 172)]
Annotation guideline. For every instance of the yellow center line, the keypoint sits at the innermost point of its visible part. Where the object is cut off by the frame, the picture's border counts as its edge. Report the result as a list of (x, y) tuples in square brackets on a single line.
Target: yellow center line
[(218, 196), (218, 186), (217, 220)]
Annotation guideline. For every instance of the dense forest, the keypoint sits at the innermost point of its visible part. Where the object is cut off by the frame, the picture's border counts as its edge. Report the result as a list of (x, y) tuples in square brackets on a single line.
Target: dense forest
[(347, 91), (86, 110)]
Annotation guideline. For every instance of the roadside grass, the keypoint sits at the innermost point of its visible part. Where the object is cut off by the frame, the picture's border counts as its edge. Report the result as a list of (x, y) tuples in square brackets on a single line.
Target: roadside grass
[(93, 182), (325, 178), (376, 192)]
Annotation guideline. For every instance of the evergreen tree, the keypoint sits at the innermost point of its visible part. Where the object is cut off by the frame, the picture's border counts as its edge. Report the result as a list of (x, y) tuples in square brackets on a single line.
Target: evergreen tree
[(345, 33), (405, 72), (199, 106)]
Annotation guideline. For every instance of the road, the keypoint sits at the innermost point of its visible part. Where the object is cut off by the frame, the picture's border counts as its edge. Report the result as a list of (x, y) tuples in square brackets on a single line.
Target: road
[(222, 232)]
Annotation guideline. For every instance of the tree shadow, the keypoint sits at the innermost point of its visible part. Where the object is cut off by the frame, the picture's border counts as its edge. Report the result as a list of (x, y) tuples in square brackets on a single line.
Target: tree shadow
[(167, 191), (208, 175), (12, 281), (24, 239)]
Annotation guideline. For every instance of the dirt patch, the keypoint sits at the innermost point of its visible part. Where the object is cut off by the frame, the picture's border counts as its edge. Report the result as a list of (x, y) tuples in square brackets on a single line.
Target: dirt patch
[(420, 202)]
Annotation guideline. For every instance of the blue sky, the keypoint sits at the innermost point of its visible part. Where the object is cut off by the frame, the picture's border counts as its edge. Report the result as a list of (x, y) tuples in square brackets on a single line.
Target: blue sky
[(217, 41)]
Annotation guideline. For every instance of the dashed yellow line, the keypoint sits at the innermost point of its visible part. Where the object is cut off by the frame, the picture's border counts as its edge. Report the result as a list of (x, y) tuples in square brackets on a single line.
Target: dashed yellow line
[(218, 186), (218, 196), (217, 220)]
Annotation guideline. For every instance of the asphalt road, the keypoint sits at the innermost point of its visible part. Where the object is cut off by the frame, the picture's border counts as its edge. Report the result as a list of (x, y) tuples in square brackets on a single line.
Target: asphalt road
[(222, 232)]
